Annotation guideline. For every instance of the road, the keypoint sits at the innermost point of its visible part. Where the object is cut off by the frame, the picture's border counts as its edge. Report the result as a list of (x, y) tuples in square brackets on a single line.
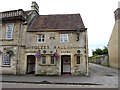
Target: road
[(99, 75)]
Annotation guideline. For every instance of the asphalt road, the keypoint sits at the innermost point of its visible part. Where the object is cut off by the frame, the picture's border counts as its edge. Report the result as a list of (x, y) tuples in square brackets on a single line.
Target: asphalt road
[(99, 75), (26, 85)]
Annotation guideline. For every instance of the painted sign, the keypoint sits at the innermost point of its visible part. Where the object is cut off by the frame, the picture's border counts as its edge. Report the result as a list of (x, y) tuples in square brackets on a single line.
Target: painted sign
[(54, 47)]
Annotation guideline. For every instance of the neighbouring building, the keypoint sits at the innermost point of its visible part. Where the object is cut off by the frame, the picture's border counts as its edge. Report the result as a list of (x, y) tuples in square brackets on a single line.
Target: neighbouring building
[(114, 42), (42, 44)]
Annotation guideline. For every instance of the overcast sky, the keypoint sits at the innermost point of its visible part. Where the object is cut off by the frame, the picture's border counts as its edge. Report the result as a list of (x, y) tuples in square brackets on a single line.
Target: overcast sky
[(97, 15)]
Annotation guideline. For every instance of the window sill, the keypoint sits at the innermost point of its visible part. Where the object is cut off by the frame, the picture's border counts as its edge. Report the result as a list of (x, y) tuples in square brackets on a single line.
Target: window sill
[(41, 42), (63, 42), (6, 39), (47, 64), (52, 65), (6, 66)]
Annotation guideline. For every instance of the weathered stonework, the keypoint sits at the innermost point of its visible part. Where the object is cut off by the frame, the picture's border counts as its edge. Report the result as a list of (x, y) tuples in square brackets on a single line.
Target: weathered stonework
[(24, 45), (114, 42)]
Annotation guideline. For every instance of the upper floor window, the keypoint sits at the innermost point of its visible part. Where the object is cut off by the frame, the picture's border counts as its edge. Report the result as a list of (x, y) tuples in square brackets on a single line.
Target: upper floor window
[(64, 38), (9, 31), (41, 38), (6, 60)]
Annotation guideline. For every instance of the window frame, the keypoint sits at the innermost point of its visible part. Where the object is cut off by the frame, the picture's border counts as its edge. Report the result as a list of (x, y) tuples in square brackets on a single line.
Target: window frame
[(41, 38), (77, 60), (51, 60), (42, 60), (6, 61), (7, 32), (64, 37)]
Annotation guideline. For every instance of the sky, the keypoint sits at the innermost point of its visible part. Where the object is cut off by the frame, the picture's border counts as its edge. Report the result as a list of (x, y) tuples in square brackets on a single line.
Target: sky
[(97, 15)]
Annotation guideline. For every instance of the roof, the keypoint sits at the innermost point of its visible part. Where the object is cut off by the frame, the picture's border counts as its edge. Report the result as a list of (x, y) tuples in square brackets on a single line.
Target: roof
[(57, 22)]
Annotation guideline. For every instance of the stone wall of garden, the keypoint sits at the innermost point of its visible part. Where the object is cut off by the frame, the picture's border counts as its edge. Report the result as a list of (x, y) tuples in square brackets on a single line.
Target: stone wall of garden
[(100, 59)]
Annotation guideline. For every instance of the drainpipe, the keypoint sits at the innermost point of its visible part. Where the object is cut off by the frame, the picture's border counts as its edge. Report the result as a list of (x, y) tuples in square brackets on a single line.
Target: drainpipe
[(19, 50), (86, 53)]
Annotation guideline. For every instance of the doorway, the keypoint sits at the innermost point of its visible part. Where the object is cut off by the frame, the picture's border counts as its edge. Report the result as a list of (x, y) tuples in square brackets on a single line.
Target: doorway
[(30, 64), (65, 64)]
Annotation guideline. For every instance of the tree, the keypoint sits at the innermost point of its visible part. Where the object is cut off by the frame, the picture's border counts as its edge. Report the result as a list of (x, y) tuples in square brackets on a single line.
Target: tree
[(99, 51), (105, 50)]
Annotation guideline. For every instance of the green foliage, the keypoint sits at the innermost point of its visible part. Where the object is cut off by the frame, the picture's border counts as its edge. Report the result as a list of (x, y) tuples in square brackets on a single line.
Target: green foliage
[(105, 50), (99, 51)]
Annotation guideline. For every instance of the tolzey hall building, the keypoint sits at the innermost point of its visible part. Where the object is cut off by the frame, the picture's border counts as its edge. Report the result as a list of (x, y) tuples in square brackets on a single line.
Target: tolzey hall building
[(42, 44)]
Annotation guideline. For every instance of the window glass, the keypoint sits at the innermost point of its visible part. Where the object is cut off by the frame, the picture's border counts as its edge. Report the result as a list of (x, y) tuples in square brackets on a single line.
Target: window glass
[(6, 60), (52, 59), (78, 59), (9, 31), (43, 59), (63, 37), (41, 38)]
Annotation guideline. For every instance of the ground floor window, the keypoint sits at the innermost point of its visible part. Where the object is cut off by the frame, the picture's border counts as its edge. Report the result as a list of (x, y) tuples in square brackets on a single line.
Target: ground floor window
[(43, 59), (6, 60), (78, 59), (52, 61)]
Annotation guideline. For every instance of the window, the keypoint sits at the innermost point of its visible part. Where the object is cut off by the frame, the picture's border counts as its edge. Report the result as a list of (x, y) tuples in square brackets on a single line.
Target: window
[(78, 59), (41, 38), (63, 37), (43, 59), (9, 31), (6, 60), (52, 60)]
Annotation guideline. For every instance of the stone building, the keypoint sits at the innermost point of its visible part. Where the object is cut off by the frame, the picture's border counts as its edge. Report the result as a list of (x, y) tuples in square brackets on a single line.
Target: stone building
[(114, 42), (42, 44)]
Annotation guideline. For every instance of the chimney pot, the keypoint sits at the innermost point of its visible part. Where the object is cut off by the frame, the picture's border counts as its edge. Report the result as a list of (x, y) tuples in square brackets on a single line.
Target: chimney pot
[(35, 6)]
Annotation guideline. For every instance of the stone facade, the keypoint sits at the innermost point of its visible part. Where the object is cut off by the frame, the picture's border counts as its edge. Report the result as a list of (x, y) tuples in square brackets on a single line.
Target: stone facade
[(24, 45), (114, 42)]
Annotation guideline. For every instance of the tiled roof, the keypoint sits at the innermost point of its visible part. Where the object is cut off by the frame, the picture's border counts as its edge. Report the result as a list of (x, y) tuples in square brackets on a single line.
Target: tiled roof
[(56, 22)]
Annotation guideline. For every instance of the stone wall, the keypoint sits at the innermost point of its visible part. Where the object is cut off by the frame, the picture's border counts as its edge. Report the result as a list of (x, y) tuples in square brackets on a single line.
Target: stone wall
[(114, 46), (25, 43), (69, 48), (13, 45), (100, 59)]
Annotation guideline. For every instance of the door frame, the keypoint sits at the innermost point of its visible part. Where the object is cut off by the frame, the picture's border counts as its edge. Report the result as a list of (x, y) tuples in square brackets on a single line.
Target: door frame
[(27, 64), (62, 65)]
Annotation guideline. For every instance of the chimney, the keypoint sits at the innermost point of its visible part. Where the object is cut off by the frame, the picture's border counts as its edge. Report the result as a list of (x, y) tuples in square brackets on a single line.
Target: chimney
[(35, 6), (117, 12)]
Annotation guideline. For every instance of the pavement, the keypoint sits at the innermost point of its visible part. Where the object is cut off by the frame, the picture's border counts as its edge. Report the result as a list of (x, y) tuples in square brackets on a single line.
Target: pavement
[(100, 76)]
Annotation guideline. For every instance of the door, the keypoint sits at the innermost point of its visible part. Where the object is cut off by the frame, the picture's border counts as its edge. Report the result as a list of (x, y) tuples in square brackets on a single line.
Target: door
[(30, 64), (65, 64)]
